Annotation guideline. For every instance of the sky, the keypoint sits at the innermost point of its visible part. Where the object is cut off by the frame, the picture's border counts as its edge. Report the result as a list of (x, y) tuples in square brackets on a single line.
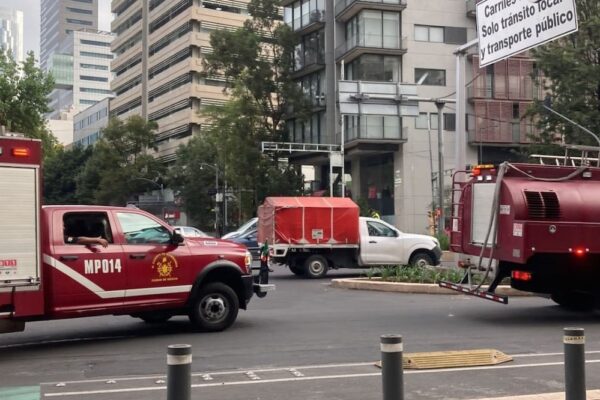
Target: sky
[(31, 13)]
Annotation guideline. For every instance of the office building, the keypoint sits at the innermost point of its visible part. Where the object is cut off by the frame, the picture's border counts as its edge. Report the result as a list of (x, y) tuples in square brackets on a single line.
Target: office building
[(61, 17), (11, 32), (158, 49), (81, 70), (88, 124)]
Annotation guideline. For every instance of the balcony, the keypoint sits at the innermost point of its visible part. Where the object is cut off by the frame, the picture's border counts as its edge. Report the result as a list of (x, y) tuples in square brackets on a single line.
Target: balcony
[(346, 9), (369, 138), (316, 21), (391, 45), (471, 8)]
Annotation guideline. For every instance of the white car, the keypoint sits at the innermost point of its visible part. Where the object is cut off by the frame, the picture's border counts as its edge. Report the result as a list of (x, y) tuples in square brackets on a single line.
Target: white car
[(250, 225), (190, 231)]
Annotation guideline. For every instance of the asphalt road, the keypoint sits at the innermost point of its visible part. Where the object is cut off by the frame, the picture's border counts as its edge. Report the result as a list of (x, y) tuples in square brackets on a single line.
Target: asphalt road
[(306, 340)]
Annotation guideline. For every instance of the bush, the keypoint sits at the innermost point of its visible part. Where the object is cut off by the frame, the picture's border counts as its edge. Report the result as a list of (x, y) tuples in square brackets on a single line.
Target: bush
[(444, 241), (410, 274)]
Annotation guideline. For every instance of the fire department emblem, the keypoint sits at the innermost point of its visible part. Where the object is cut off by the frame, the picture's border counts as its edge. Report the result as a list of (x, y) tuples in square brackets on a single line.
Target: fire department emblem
[(164, 264)]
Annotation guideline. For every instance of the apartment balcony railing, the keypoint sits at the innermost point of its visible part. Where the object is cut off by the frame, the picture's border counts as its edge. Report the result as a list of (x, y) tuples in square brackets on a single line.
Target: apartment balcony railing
[(374, 44), (527, 92), (375, 133), (346, 9)]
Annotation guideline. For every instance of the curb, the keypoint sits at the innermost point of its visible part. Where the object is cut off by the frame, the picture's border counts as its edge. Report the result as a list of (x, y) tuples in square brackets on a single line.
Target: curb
[(591, 395), (402, 287)]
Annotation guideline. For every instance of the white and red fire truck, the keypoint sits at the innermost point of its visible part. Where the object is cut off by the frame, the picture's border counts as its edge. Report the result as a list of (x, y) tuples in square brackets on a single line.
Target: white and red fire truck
[(146, 270)]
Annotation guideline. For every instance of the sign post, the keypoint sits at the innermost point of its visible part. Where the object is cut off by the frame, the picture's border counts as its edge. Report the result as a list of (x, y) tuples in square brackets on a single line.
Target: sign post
[(508, 27)]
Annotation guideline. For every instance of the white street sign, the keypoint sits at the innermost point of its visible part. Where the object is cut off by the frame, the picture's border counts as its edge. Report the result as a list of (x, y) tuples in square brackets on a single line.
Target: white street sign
[(508, 27)]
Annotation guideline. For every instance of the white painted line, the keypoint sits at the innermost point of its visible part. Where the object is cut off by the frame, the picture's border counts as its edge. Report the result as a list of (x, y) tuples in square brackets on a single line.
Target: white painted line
[(306, 378)]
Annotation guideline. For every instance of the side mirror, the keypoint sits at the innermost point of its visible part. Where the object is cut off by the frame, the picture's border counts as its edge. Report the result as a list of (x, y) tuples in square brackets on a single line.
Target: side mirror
[(176, 238)]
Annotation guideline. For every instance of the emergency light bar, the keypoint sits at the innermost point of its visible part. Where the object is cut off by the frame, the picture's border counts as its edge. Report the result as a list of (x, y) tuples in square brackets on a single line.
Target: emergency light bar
[(474, 292), (20, 152), (476, 170)]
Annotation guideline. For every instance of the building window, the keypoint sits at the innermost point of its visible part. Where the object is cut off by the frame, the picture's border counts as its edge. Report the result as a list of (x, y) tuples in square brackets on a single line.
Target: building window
[(94, 90), (87, 102), (93, 78), (96, 55), (425, 33), (303, 13), (94, 66), (433, 119), (371, 67), (449, 121), (432, 77), (79, 22), (380, 29), (94, 43), (421, 121), (79, 10)]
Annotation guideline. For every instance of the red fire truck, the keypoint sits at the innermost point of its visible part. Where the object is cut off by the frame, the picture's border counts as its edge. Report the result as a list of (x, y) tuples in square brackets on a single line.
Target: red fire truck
[(535, 224), (146, 270)]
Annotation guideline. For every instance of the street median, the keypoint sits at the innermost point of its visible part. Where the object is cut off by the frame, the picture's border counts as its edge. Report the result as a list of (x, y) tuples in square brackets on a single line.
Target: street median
[(403, 287)]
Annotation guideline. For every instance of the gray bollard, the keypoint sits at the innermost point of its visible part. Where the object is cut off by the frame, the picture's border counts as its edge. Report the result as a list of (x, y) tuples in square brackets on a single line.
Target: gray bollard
[(179, 372), (391, 367), (574, 343)]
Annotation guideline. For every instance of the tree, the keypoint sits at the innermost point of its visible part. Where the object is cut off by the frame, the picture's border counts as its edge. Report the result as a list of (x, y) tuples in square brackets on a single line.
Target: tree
[(60, 175), (570, 69), (256, 61), (24, 91), (111, 175)]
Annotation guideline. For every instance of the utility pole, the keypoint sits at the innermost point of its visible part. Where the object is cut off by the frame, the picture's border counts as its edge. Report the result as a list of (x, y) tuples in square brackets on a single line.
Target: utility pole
[(440, 105)]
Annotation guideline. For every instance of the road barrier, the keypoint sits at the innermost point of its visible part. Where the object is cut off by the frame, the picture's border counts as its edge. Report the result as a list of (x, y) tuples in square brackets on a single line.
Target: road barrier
[(392, 373), (574, 343), (179, 372)]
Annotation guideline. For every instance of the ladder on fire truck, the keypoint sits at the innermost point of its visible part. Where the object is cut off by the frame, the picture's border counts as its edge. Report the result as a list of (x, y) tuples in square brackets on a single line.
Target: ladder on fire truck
[(585, 158)]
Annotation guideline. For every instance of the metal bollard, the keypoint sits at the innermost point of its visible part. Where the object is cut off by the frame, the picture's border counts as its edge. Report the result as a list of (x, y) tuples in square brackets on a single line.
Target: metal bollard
[(574, 343), (391, 367), (179, 372)]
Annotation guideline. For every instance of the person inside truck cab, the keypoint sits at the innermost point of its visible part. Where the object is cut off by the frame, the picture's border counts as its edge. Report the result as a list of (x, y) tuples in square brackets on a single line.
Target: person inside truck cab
[(73, 235)]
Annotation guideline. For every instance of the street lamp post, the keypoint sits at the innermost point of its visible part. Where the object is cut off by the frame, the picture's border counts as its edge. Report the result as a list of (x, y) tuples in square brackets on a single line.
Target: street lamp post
[(215, 167)]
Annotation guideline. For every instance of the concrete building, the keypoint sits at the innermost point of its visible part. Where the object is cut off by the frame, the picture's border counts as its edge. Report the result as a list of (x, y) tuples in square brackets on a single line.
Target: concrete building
[(88, 124), (61, 17), (61, 126), (158, 59), (11, 32), (81, 69)]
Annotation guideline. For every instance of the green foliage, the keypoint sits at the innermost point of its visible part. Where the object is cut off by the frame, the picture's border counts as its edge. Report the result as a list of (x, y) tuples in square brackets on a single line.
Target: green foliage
[(120, 165), (24, 90), (60, 174), (410, 274), (571, 68), (363, 205), (256, 62), (444, 240)]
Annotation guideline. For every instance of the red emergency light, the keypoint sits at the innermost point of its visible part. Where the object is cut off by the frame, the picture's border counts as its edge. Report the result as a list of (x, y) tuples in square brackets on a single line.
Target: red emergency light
[(580, 251), (476, 171), (521, 275), (20, 152)]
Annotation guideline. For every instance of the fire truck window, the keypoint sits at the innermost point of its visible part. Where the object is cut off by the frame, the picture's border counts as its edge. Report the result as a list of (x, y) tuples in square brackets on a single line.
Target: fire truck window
[(86, 224), (139, 229)]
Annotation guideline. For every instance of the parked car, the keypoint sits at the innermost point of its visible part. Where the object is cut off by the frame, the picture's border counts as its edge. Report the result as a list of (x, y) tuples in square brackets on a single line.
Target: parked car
[(190, 231), (249, 239), (250, 225)]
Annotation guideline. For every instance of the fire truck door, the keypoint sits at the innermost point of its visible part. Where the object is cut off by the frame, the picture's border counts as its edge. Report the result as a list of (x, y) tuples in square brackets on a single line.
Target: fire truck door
[(85, 277), (157, 271)]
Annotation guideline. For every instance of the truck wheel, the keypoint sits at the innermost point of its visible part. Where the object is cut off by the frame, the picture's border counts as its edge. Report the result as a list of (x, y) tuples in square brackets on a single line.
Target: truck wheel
[(214, 308), (297, 270), (574, 301), (315, 267), (421, 259)]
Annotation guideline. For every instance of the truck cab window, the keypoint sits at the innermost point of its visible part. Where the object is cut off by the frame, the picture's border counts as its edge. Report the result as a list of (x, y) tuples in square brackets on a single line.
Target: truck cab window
[(380, 230), (86, 224), (139, 229)]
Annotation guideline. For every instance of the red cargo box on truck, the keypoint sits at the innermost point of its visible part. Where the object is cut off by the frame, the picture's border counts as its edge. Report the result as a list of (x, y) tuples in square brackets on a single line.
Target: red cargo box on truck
[(308, 220)]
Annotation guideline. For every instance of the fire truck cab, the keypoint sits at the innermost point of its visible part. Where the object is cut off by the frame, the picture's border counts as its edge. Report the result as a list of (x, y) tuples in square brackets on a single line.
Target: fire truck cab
[(146, 270)]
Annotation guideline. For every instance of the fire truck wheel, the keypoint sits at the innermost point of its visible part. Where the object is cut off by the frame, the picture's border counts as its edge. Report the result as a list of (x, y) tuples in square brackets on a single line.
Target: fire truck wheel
[(574, 301), (296, 270), (421, 259), (214, 308), (315, 266)]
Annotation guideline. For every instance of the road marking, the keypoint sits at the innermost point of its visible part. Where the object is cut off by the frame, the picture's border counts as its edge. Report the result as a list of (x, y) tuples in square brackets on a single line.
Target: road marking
[(305, 378), (20, 393)]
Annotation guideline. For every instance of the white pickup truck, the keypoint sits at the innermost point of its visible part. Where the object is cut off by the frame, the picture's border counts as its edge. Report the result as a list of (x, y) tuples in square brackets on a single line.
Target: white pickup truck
[(310, 239)]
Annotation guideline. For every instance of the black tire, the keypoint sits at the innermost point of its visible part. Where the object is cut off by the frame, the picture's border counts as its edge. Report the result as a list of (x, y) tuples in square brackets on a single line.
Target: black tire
[(297, 270), (421, 259), (574, 301), (154, 318), (214, 308), (315, 266)]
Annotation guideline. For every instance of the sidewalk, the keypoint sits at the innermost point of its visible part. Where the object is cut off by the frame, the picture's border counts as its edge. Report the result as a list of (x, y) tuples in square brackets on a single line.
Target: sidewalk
[(591, 395)]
